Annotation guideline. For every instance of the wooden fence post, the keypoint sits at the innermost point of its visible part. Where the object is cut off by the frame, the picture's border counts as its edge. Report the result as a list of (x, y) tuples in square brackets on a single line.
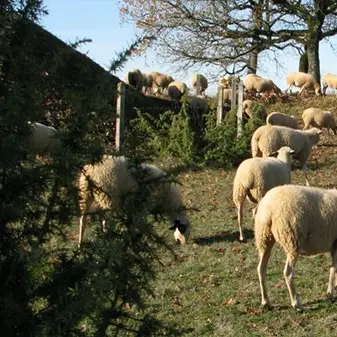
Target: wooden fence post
[(239, 114), (219, 115), (120, 115), (233, 98), (198, 86)]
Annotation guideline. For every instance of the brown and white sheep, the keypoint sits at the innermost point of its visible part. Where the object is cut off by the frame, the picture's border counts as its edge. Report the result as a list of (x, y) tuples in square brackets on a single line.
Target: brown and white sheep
[(303, 81), (319, 118)]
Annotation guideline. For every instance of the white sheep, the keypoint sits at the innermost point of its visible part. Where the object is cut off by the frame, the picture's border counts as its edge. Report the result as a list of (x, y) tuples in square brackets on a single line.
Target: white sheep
[(256, 83), (268, 138), (281, 119), (226, 81), (319, 118), (43, 140), (249, 107), (303, 81), (303, 221), (147, 83), (329, 81), (203, 82), (135, 78), (255, 176), (176, 89), (114, 179), (160, 82)]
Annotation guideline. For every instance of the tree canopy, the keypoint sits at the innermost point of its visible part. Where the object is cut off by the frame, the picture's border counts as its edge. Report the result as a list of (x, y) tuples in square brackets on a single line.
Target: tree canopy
[(227, 34)]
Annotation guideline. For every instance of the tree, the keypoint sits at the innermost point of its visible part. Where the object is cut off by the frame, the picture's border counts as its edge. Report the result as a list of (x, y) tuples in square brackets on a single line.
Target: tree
[(49, 287), (231, 34), (309, 22)]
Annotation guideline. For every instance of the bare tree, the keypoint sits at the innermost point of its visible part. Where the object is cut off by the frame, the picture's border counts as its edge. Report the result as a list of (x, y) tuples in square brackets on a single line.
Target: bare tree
[(231, 34)]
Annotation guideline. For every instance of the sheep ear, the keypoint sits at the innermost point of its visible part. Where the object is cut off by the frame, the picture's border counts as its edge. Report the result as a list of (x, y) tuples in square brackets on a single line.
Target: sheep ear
[(273, 154)]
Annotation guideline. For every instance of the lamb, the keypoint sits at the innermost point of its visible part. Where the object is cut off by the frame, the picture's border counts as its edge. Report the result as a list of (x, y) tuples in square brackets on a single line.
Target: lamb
[(160, 82), (319, 118), (268, 138), (281, 119), (43, 140), (135, 78), (255, 176), (303, 221), (303, 81), (329, 80), (249, 107), (253, 82), (202, 80), (176, 90), (114, 179)]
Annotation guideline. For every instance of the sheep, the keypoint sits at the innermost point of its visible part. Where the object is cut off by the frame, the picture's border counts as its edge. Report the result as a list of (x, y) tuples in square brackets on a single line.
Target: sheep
[(227, 96), (160, 82), (114, 179), (43, 140), (329, 81), (303, 221), (303, 81), (281, 119), (135, 78), (253, 82), (147, 83), (319, 118), (202, 80), (249, 107), (255, 176), (268, 138), (176, 90), (226, 81)]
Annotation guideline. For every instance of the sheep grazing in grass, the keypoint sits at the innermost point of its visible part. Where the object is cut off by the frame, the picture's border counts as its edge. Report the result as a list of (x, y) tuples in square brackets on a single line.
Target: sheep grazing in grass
[(176, 90), (303, 221), (114, 179), (319, 118), (135, 78), (252, 108), (43, 140), (255, 176), (160, 82), (256, 83), (203, 83), (281, 119), (303, 81), (268, 138), (329, 81)]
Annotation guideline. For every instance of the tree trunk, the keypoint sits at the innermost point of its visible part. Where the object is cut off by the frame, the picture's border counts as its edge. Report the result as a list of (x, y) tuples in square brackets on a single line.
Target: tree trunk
[(313, 57), (252, 63), (303, 63)]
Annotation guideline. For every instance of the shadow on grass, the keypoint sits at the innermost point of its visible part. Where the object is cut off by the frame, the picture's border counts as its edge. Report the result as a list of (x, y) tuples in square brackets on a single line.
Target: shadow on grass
[(224, 237)]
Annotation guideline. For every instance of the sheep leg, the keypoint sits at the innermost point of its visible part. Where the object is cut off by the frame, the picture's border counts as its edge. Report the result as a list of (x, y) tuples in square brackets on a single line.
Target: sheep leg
[(289, 274), (330, 292), (305, 175), (240, 217), (262, 273), (287, 89)]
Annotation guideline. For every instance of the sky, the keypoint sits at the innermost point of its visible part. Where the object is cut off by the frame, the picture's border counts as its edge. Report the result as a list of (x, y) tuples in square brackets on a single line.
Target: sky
[(99, 21)]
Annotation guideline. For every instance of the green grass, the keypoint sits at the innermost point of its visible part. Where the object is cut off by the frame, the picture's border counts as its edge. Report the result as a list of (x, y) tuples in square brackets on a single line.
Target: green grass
[(211, 288)]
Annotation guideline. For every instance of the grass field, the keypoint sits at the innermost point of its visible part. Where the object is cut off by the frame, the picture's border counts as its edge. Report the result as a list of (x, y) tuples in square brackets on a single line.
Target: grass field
[(211, 288)]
